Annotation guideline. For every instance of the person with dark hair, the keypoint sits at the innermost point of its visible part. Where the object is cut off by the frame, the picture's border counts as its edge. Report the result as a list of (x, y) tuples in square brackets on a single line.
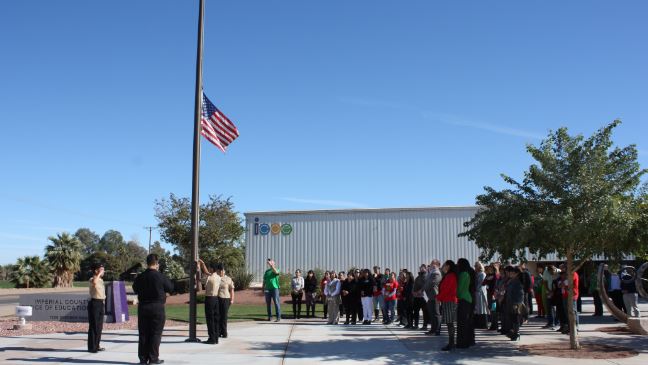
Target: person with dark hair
[(432, 281), (408, 300), (325, 280), (515, 306), (366, 285), (96, 308), (448, 298), (225, 299), (212, 307), (492, 277), (378, 300), (342, 279), (527, 284), (389, 292), (297, 293), (401, 318), (419, 300), (310, 288), (348, 299), (357, 299), (151, 288), (465, 292), (537, 291)]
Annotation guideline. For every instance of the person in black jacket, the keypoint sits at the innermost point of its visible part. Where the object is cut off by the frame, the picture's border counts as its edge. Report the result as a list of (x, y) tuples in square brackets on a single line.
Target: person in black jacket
[(310, 288), (408, 300), (515, 306), (349, 294), (151, 288), (366, 286)]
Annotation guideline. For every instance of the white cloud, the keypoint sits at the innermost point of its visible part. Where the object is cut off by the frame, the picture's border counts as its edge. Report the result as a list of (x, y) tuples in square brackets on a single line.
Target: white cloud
[(499, 129), (325, 202)]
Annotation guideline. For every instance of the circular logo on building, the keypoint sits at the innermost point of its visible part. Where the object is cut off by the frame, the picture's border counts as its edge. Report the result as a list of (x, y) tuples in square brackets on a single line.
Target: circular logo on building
[(286, 229), (264, 228), (275, 228)]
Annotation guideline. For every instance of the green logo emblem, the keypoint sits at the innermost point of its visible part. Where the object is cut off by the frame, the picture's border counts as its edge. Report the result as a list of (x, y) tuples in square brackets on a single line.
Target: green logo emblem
[(286, 229)]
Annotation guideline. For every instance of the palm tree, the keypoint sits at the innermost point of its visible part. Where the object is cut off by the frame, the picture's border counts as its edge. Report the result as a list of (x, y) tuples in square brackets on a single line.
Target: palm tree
[(64, 256), (30, 271)]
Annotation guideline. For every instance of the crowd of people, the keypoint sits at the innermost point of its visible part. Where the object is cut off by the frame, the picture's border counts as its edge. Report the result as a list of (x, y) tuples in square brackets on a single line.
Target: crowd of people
[(461, 296)]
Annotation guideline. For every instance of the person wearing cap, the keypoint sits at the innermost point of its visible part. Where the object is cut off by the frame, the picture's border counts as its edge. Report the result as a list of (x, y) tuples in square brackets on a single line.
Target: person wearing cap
[(151, 287), (96, 308), (212, 309), (225, 299)]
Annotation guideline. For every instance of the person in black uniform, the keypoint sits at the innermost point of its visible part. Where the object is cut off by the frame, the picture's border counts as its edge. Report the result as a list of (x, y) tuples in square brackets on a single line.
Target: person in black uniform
[(151, 288), (96, 308)]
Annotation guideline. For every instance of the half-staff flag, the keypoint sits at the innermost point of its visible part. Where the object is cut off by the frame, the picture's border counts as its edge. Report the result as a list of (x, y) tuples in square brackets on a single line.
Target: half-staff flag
[(216, 127)]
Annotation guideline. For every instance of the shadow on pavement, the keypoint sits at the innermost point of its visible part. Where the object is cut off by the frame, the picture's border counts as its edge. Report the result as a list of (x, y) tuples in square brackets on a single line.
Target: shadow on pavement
[(68, 360), (37, 349)]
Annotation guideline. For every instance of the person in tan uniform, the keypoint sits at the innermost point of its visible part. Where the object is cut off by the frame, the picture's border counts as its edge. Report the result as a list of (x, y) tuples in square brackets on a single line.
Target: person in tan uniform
[(96, 308), (225, 299), (212, 313)]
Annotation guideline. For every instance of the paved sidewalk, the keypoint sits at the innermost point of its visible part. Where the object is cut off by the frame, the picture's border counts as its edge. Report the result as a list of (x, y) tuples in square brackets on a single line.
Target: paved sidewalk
[(308, 342)]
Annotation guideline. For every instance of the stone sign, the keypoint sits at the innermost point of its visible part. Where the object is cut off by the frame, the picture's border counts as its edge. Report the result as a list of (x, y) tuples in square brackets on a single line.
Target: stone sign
[(57, 307)]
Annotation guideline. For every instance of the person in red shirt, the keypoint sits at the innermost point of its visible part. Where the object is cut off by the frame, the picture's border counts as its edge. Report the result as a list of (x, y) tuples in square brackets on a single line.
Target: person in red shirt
[(564, 285), (448, 298), (389, 294)]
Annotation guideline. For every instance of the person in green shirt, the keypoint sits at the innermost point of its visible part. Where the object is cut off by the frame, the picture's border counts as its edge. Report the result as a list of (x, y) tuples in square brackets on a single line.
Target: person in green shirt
[(465, 290), (271, 289)]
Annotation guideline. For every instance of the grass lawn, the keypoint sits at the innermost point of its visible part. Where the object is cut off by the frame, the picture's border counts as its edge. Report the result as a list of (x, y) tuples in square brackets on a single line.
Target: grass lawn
[(4, 284), (237, 312), (81, 284)]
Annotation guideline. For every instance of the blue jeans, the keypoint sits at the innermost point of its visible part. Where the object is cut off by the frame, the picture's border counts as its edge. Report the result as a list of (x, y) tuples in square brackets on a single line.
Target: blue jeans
[(552, 318), (389, 309), (273, 295)]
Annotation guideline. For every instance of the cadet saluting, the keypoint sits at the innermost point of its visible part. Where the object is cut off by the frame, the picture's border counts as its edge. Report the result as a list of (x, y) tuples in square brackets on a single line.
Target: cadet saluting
[(151, 288), (96, 308), (212, 312)]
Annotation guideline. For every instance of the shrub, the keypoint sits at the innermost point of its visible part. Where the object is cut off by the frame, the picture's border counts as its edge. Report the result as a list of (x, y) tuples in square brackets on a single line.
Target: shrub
[(285, 281), (200, 298), (181, 286), (242, 278)]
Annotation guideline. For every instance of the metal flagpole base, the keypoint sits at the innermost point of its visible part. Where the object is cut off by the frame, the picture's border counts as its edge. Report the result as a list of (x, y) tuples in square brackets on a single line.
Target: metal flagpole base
[(195, 339)]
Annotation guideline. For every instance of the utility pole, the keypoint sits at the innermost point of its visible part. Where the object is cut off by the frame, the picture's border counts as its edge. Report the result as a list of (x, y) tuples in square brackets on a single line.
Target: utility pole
[(150, 229)]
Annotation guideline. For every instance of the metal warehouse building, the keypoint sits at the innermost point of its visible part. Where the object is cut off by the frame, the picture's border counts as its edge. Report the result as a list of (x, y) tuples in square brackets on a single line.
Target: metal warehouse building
[(340, 239)]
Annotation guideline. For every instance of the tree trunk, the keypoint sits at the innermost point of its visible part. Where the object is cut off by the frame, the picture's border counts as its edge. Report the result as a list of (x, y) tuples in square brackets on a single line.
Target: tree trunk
[(573, 335)]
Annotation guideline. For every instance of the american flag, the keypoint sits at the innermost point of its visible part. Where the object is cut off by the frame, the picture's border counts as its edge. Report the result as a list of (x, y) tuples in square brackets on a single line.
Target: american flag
[(216, 127)]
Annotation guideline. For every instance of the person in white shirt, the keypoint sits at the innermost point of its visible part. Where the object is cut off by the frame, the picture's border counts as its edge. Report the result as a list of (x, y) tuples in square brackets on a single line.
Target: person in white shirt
[(332, 293), (297, 293)]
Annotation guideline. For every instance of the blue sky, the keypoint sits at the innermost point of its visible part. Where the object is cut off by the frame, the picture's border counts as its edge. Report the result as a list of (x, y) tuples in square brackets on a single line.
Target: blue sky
[(339, 104)]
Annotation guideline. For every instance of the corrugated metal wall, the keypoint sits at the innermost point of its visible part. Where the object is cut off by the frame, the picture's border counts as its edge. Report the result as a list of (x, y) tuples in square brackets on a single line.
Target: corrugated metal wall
[(339, 240)]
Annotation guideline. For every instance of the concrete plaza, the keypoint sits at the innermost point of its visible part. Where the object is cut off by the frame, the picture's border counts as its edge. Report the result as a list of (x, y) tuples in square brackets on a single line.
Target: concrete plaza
[(312, 341)]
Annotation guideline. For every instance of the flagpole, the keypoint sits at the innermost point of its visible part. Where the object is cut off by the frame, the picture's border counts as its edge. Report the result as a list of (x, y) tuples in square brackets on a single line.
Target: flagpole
[(195, 189)]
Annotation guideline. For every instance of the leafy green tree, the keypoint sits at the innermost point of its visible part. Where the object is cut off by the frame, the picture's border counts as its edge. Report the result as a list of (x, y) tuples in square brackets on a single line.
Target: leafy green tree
[(111, 242), (89, 240), (580, 199), (156, 248), (112, 264), (30, 272), (64, 257), (221, 228), (173, 269)]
